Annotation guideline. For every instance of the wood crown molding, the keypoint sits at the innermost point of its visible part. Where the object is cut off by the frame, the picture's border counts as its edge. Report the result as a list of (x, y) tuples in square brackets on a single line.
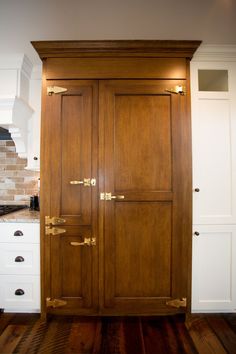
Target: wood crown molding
[(134, 48)]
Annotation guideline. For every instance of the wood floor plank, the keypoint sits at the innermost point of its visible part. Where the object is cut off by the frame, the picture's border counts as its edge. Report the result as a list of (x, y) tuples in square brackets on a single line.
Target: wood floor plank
[(10, 338), (82, 337), (112, 336), (133, 340), (230, 318), (223, 331), (201, 334), (5, 319), (32, 338), (153, 336), (173, 342), (57, 336), (205, 340), (98, 338), (184, 337)]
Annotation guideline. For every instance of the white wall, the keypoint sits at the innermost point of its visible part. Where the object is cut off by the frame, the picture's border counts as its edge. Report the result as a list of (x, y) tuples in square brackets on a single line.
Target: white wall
[(26, 20)]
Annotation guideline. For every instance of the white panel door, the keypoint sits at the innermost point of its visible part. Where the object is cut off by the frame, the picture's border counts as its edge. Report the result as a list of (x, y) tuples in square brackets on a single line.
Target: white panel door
[(214, 269), (214, 153)]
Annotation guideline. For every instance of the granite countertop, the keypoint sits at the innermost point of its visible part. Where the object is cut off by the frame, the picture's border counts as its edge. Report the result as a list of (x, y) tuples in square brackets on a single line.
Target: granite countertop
[(24, 215)]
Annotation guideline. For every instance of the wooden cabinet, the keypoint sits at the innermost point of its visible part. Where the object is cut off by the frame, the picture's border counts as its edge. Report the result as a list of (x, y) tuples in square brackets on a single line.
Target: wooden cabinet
[(116, 169), (19, 267)]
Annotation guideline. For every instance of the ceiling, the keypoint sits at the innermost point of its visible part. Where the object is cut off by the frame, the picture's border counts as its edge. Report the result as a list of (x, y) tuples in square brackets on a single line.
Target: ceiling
[(21, 21)]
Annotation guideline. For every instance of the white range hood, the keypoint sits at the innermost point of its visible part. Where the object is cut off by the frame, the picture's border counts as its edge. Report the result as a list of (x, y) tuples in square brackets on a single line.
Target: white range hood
[(15, 112)]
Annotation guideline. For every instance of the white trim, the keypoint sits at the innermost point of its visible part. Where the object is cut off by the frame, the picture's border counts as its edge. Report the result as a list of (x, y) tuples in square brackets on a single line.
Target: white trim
[(212, 52), (16, 61), (37, 72)]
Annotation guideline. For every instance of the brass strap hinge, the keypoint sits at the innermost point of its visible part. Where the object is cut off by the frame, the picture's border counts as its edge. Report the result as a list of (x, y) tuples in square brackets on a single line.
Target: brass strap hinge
[(54, 220), (54, 230), (177, 302), (55, 89), (177, 89), (55, 302)]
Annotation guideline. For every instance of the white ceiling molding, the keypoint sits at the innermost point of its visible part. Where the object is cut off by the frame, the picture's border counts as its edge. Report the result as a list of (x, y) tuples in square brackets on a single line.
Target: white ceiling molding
[(211, 52), (15, 73)]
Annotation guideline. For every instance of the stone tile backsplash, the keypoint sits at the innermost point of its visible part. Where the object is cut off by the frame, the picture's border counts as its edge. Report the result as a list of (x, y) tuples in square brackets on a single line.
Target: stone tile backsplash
[(16, 183)]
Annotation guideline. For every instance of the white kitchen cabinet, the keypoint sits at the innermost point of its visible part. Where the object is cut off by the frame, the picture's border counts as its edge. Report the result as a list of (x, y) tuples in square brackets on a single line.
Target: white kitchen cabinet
[(35, 88), (214, 268), (19, 267), (213, 90)]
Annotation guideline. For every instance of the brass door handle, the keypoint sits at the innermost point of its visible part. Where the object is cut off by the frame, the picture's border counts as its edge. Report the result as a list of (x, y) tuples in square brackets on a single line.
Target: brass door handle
[(109, 196), (87, 242), (117, 197), (76, 182), (86, 182)]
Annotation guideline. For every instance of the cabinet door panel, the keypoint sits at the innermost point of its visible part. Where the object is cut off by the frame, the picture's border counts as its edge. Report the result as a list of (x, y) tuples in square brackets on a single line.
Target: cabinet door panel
[(214, 255), (142, 249), (71, 133), (213, 156), (142, 148), (145, 161)]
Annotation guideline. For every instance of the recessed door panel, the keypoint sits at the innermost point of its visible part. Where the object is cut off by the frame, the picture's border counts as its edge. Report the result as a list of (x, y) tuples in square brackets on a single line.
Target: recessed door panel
[(142, 249), (76, 155), (142, 146)]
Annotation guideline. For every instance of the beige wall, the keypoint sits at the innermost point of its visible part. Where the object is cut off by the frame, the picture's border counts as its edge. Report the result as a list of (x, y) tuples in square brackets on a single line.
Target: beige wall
[(213, 21)]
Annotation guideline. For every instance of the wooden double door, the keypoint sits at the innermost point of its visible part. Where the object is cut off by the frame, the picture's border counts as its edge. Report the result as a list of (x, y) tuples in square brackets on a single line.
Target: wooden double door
[(117, 172)]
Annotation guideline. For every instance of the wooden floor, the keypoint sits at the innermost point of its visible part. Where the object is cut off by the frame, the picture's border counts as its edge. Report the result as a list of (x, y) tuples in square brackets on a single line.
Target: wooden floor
[(25, 333)]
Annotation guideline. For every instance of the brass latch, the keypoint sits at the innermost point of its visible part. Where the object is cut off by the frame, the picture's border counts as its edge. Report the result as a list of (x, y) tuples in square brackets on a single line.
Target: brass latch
[(88, 241), (54, 220), (109, 196), (86, 182), (55, 302), (177, 302), (54, 230), (177, 89), (55, 89)]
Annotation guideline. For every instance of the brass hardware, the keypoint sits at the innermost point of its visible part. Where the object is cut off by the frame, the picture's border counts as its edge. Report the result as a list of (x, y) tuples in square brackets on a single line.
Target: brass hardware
[(55, 302), (102, 196), (177, 89), (109, 196), (87, 182), (93, 182), (54, 230), (196, 233), (55, 89), (54, 220), (177, 302), (87, 242), (93, 241)]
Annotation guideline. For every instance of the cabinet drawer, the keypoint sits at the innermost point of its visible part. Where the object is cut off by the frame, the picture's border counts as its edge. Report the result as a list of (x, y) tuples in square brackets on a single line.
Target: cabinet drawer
[(19, 259), (19, 232), (20, 293)]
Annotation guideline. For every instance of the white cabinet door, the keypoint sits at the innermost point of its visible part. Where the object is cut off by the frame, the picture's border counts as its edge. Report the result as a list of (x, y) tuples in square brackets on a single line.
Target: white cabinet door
[(214, 150), (214, 269)]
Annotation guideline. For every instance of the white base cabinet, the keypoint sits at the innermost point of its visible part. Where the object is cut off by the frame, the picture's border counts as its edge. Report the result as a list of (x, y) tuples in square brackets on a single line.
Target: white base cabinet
[(19, 267), (214, 269)]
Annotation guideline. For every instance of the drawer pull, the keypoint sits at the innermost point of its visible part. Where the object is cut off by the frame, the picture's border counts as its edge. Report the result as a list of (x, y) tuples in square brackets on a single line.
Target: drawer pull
[(19, 292), (18, 233), (19, 259)]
